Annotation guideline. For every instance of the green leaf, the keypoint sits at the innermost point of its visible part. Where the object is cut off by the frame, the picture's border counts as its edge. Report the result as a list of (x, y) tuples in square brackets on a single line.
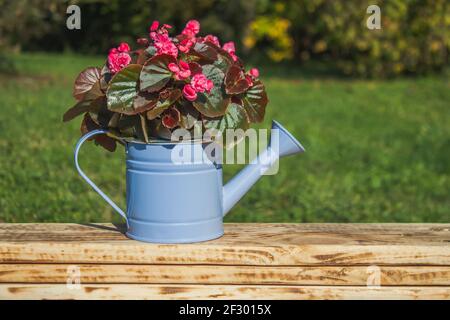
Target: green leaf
[(164, 102), (100, 114), (85, 81), (132, 127), (80, 108), (189, 115), (235, 81), (144, 101), (155, 73), (105, 77), (113, 122), (141, 56), (204, 51), (195, 68), (98, 103), (223, 61), (215, 103), (95, 92), (105, 141), (235, 117), (159, 131), (127, 125), (122, 89), (255, 101), (144, 127), (151, 50)]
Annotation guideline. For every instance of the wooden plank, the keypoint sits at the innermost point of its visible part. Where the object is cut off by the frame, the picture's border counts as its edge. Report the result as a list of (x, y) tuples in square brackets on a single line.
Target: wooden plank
[(214, 274), (249, 233), (243, 244), (146, 291)]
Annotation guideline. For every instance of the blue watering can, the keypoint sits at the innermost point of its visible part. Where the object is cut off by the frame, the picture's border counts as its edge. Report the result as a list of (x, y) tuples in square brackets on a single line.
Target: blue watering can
[(183, 203)]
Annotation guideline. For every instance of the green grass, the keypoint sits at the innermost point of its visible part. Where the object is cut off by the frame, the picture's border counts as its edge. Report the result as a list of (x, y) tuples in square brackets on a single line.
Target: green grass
[(377, 151)]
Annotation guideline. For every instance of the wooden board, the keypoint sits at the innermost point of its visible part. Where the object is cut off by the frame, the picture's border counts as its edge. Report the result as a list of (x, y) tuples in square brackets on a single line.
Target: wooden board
[(146, 291), (243, 244), (252, 261), (215, 274)]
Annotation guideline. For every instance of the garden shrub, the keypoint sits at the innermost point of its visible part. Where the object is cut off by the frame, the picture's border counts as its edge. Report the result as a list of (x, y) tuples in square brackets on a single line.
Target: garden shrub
[(414, 38), (414, 35)]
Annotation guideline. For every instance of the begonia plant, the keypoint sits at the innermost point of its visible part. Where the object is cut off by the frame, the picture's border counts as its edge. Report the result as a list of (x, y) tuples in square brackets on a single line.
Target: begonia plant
[(167, 83)]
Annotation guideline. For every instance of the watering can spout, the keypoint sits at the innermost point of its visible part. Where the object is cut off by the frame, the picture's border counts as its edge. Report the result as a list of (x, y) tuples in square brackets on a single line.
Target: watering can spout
[(282, 143)]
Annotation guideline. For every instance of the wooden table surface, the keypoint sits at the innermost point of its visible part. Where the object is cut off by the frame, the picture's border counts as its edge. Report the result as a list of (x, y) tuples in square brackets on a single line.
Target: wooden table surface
[(251, 261)]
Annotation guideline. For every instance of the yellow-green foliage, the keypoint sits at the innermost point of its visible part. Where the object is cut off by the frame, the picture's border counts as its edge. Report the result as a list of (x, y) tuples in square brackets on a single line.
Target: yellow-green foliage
[(274, 29), (414, 35)]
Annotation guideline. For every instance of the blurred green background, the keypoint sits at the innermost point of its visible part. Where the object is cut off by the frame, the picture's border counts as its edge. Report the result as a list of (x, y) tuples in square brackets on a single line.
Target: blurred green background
[(370, 106)]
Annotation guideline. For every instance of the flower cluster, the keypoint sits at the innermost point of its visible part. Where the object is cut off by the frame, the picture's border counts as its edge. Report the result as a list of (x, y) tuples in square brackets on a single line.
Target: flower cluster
[(169, 82), (181, 70), (161, 40), (199, 83), (119, 58)]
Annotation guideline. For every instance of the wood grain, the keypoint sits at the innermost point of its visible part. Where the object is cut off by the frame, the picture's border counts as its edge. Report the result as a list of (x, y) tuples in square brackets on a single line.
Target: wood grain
[(251, 233), (146, 291), (243, 244), (215, 274)]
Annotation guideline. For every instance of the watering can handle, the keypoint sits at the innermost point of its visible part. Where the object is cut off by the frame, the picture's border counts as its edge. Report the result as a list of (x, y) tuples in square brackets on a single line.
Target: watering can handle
[(89, 181)]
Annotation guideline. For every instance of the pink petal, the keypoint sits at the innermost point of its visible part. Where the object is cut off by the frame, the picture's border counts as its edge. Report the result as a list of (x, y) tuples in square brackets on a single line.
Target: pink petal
[(173, 67), (189, 92), (254, 72), (183, 65), (229, 47), (123, 47), (154, 25)]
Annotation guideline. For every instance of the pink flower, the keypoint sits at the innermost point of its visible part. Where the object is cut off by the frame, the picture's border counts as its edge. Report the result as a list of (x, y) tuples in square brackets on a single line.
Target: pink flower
[(183, 65), (154, 25), (155, 36), (254, 72), (181, 71), (251, 75), (213, 39), (209, 85), (185, 45), (185, 71), (193, 25), (117, 60), (123, 47), (198, 82), (168, 48), (191, 29), (201, 84), (173, 67), (163, 44), (189, 92), (231, 49)]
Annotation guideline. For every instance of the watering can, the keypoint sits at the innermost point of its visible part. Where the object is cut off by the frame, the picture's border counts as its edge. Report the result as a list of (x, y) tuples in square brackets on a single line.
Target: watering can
[(184, 203)]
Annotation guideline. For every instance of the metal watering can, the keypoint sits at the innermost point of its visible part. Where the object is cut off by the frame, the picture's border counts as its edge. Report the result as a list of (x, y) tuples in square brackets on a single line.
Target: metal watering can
[(183, 203)]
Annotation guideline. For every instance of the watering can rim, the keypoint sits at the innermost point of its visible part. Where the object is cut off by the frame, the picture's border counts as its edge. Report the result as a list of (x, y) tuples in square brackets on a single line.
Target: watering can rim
[(275, 124), (167, 142)]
